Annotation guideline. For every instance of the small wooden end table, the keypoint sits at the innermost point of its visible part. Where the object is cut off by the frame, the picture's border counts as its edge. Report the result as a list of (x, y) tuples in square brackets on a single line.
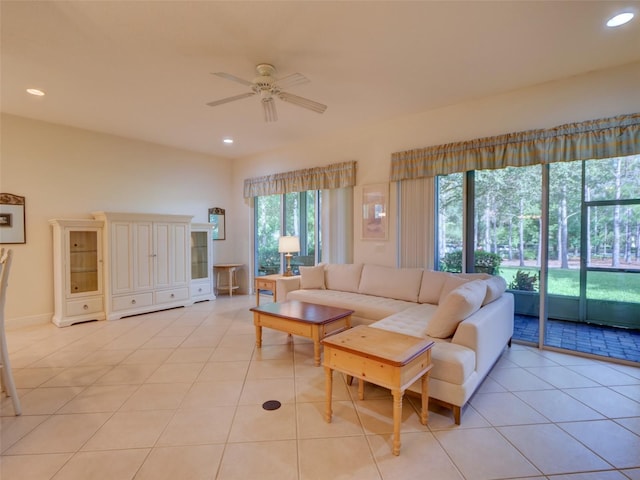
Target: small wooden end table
[(230, 269), (301, 318), (388, 359), (268, 282)]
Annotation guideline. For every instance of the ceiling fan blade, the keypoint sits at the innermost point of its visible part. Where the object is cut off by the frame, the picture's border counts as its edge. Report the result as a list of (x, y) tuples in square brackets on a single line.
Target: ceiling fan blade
[(302, 102), (269, 106), (291, 80), (233, 78), (231, 99)]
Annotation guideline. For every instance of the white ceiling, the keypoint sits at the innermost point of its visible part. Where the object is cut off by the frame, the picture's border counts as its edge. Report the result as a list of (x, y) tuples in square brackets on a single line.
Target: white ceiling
[(143, 69)]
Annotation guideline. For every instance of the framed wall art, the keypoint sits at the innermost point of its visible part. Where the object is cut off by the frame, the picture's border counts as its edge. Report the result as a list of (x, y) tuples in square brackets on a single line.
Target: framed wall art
[(217, 219), (12, 218), (375, 200)]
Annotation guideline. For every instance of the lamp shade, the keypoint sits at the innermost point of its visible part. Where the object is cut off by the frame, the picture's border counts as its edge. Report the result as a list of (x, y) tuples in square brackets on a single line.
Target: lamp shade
[(288, 244)]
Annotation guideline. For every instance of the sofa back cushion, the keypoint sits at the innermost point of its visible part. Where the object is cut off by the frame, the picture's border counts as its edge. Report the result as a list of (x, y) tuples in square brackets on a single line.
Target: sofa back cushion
[(459, 304), (496, 285), (389, 282), (453, 281), (432, 283), (312, 277), (342, 277)]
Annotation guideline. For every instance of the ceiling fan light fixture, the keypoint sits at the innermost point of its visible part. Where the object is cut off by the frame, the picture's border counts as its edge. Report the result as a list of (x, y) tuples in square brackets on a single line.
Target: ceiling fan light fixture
[(620, 19), (268, 88)]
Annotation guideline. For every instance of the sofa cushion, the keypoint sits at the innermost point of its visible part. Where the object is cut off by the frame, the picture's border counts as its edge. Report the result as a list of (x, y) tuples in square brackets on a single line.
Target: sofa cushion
[(366, 307), (398, 283), (496, 286), (452, 282), (431, 286), (455, 307), (312, 277), (452, 363), (412, 321), (342, 277), (474, 276)]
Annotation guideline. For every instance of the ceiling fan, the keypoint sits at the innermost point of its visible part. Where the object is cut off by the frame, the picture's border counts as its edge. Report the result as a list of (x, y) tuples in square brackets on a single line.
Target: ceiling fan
[(268, 87)]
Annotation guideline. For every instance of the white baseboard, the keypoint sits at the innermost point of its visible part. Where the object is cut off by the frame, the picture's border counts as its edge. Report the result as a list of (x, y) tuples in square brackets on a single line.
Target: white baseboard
[(30, 321)]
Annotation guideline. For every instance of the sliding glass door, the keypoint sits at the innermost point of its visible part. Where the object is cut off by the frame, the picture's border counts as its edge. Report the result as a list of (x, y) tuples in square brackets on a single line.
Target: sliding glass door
[(566, 239), (594, 281)]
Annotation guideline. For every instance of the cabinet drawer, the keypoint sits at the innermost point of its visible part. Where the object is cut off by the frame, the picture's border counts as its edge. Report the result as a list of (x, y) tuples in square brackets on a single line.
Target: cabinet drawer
[(200, 289), (127, 302), (82, 307), (175, 295), (265, 284)]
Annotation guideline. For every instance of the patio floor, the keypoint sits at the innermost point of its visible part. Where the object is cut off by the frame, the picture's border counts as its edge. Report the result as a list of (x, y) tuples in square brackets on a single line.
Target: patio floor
[(609, 342)]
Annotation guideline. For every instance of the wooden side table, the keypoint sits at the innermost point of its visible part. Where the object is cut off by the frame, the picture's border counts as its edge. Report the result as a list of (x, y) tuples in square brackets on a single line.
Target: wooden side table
[(267, 282), (230, 270), (391, 360)]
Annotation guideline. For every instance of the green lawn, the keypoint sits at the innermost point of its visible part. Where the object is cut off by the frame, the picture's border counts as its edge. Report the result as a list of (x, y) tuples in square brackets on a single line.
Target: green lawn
[(614, 286)]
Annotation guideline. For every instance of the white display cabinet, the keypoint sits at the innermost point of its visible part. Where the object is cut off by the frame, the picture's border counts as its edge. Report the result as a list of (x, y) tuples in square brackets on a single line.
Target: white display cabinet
[(78, 269), (201, 262)]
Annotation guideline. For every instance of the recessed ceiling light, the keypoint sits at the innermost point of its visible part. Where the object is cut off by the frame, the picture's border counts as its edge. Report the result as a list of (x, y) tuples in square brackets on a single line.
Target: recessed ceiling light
[(35, 91), (620, 19), (228, 141)]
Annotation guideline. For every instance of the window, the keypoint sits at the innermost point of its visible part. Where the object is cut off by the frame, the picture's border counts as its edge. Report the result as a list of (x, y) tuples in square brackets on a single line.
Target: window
[(295, 214), (591, 256)]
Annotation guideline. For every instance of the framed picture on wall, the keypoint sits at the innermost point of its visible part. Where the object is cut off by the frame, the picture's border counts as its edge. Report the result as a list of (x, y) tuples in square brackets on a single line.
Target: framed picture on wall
[(12, 218), (375, 201), (217, 219)]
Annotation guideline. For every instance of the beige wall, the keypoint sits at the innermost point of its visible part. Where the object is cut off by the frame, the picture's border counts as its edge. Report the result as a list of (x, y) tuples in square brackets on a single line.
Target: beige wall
[(67, 173), (595, 95)]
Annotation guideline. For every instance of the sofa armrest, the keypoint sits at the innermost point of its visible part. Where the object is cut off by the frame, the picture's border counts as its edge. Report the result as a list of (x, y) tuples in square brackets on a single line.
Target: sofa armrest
[(286, 285), (487, 331)]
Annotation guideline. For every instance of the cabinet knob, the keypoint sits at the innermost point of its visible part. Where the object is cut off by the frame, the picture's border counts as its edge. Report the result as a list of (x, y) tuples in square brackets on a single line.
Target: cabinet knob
[(172, 295), (133, 302), (86, 307)]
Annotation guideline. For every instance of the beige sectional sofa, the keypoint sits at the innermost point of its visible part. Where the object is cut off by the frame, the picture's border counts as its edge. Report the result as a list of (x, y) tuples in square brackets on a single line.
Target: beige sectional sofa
[(468, 316)]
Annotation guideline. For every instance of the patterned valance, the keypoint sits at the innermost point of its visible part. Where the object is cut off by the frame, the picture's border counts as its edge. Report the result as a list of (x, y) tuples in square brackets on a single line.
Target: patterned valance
[(337, 175), (605, 138)]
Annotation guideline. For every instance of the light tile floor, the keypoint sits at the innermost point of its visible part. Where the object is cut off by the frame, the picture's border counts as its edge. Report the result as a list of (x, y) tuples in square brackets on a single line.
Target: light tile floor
[(178, 394)]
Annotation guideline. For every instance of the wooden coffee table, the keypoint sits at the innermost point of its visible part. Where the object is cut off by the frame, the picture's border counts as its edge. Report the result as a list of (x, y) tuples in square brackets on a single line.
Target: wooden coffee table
[(300, 318), (391, 360)]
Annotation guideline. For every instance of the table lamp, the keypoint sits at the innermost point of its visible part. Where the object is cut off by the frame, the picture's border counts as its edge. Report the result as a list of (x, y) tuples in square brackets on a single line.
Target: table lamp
[(286, 245)]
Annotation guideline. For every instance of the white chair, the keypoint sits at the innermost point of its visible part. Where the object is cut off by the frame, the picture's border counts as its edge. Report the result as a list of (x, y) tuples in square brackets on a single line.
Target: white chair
[(8, 384)]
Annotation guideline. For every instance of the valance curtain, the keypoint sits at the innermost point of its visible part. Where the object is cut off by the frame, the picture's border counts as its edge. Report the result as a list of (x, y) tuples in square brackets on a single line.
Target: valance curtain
[(605, 138), (337, 175)]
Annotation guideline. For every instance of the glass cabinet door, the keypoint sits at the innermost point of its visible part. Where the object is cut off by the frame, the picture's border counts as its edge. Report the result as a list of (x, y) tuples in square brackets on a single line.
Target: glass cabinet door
[(199, 260), (83, 262)]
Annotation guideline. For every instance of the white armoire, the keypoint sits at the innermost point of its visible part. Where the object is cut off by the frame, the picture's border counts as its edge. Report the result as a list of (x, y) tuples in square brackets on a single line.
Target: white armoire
[(147, 261)]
